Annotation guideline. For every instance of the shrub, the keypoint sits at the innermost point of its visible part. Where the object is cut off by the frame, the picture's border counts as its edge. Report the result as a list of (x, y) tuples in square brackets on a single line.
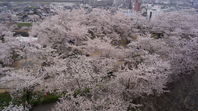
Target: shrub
[(24, 24)]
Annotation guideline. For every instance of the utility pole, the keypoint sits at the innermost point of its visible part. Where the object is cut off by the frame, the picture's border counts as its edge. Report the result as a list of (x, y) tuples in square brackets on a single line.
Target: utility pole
[(130, 4)]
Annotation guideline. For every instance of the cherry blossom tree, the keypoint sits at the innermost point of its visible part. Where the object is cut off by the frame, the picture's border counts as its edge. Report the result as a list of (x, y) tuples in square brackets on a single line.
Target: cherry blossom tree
[(103, 60)]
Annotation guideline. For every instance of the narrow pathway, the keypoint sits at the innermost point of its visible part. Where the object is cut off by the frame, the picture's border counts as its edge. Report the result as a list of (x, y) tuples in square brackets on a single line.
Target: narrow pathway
[(45, 107)]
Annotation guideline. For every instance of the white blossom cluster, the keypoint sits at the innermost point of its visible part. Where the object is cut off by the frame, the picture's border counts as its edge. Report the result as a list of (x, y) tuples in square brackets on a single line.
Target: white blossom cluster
[(15, 108)]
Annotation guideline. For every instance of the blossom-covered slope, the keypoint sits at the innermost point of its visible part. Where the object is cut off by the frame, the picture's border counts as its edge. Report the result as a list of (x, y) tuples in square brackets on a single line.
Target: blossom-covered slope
[(100, 60)]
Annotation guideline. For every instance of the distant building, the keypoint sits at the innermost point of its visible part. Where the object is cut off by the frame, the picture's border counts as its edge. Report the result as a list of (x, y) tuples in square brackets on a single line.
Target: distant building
[(98, 3), (152, 10), (137, 5)]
